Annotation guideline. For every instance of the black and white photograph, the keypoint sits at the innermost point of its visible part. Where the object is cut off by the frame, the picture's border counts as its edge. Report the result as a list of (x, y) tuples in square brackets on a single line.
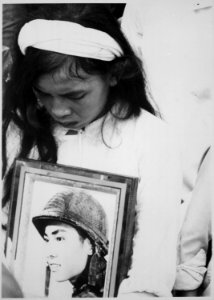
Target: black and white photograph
[(107, 149), (66, 230)]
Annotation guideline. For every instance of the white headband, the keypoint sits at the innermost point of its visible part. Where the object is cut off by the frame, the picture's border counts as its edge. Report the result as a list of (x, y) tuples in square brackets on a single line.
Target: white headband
[(68, 38)]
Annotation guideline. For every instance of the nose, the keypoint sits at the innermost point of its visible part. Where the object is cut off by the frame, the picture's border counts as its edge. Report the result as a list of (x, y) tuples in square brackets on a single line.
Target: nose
[(50, 259), (59, 108), (50, 250), (51, 256)]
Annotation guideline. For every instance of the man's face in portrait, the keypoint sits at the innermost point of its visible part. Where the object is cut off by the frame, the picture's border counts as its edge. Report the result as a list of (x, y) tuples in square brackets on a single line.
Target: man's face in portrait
[(67, 252)]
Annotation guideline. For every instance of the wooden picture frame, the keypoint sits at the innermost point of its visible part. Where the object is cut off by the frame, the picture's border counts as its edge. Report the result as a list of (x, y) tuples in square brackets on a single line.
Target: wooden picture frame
[(34, 182)]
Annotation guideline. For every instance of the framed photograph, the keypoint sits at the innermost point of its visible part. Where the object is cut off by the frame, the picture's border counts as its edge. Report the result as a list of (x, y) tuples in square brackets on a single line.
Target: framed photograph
[(45, 196)]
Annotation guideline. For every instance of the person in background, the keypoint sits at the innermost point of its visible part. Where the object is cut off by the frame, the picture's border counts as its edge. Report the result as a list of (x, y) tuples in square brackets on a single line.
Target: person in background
[(175, 41), (74, 227), (77, 97), (195, 250)]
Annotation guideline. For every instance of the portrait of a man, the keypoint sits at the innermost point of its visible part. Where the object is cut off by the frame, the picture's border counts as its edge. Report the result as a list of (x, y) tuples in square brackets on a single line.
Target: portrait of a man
[(74, 228), (67, 230)]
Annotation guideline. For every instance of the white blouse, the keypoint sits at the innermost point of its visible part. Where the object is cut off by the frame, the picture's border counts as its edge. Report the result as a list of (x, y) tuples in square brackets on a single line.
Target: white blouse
[(142, 147)]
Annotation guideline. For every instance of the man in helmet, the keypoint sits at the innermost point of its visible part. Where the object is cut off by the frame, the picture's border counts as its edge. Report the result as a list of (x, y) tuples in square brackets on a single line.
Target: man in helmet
[(74, 225)]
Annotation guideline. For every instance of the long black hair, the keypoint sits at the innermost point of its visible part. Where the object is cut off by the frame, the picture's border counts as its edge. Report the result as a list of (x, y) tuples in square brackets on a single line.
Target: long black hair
[(20, 104)]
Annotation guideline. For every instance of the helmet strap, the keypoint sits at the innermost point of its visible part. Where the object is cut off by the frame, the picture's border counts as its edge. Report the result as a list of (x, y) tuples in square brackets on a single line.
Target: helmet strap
[(97, 270)]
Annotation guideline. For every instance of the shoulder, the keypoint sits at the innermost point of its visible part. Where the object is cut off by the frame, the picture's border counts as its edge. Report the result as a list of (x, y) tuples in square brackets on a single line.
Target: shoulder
[(13, 142), (154, 140), (150, 137), (13, 137), (152, 130), (13, 132), (147, 129), (150, 121)]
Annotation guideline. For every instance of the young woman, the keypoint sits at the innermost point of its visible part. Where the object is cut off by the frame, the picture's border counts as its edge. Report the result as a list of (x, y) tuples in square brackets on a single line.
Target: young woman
[(77, 97)]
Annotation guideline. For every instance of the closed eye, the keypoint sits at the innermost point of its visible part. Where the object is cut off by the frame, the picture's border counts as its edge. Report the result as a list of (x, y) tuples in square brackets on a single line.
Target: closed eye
[(74, 97), (43, 94), (38, 92)]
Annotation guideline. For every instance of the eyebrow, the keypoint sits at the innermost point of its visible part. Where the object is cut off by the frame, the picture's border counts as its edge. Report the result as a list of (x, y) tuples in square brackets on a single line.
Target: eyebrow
[(71, 93), (55, 232)]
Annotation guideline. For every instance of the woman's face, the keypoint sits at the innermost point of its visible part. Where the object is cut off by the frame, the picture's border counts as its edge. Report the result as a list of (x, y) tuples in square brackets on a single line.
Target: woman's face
[(73, 102), (67, 252)]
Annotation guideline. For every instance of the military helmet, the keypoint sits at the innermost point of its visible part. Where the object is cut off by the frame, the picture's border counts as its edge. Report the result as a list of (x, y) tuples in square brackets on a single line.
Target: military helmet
[(80, 210)]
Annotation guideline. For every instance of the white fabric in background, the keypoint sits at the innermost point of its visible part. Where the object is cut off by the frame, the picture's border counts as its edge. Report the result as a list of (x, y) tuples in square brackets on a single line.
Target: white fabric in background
[(175, 40)]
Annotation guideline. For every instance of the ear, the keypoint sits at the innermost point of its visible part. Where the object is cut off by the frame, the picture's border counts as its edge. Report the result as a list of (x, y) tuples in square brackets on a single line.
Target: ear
[(88, 247)]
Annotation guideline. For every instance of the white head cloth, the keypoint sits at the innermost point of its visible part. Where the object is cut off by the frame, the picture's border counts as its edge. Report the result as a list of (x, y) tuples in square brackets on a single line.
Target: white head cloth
[(68, 38)]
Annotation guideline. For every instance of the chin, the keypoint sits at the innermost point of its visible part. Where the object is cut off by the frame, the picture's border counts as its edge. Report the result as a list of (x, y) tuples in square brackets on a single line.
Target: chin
[(62, 278)]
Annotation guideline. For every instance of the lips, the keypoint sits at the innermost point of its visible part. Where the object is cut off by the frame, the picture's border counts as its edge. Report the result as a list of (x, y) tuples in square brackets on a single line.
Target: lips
[(68, 124), (64, 120), (54, 267)]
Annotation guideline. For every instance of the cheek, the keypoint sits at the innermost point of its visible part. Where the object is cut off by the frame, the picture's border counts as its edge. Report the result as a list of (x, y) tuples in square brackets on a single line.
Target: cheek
[(96, 102), (54, 249), (46, 103), (86, 110), (75, 262), (73, 253), (102, 97)]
